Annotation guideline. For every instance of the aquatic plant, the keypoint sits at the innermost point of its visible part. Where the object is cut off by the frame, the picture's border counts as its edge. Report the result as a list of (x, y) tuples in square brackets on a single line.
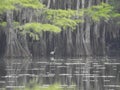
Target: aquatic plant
[(37, 87), (50, 87)]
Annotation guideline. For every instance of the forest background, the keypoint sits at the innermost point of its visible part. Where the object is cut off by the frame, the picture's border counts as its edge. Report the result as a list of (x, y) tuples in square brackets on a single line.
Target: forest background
[(70, 28)]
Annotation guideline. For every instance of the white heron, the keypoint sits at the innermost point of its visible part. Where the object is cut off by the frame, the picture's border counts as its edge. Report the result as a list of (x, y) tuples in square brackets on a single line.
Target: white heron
[(53, 52)]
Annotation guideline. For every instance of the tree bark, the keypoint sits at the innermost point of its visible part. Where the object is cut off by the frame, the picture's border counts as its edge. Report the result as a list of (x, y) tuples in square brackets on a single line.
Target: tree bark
[(13, 46), (48, 4)]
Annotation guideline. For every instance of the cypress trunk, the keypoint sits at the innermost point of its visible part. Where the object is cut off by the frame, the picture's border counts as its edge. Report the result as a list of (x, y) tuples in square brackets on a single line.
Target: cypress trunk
[(13, 46)]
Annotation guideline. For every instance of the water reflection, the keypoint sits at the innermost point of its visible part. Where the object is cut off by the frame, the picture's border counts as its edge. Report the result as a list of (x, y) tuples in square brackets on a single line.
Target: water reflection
[(2, 73), (83, 73)]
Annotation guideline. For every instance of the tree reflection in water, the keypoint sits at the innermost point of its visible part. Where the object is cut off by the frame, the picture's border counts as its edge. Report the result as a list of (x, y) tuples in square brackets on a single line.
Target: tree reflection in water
[(84, 73)]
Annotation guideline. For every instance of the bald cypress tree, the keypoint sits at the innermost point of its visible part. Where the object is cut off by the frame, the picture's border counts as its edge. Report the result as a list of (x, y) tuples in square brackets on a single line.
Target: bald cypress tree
[(13, 46), (72, 28)]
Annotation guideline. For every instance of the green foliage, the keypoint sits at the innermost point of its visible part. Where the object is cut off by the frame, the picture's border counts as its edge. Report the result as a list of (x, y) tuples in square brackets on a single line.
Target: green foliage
[(55, 19), (3, 24), (65, 22), (115, 15), (51, 87), (16, 24), (81, 13), (35, 4), (34, 29), (99, 12), (38, 27), (59, 13), (6, 5), (38, 87), (63, 18)]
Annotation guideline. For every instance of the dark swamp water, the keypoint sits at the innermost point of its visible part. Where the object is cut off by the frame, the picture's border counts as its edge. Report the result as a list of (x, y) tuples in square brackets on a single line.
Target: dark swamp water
[(101, 73)]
